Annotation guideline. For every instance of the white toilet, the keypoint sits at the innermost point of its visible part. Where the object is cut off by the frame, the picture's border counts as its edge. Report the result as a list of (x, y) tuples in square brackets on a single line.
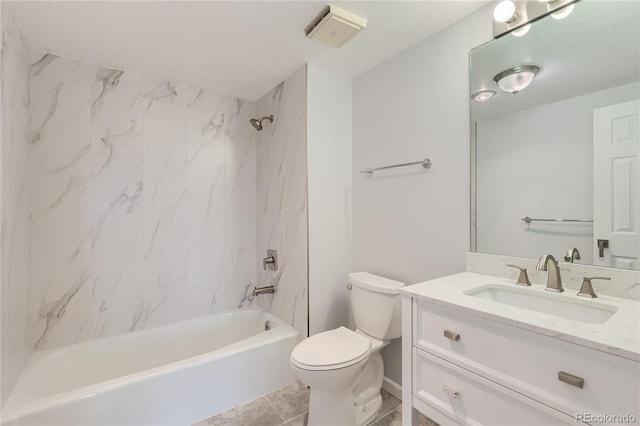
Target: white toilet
[(344, 368)]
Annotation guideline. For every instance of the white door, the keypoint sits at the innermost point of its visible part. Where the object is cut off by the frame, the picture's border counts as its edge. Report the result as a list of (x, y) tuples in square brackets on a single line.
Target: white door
[(616, 185)]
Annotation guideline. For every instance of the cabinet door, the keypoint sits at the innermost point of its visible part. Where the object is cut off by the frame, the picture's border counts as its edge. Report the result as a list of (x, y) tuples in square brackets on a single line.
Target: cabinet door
[(530, 363), (441, 388)]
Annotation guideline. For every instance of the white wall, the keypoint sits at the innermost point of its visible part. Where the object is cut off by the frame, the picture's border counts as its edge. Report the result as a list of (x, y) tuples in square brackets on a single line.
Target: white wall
[(14, 251), (408, 224), (539, 163), (282, 200), (143, 203), (329, 125)]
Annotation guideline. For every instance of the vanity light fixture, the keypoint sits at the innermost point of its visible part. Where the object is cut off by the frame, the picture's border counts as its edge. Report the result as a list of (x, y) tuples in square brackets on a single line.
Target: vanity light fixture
[(521, 31), (483, 95), (516, 79), (513, 16), (505, 12), (564, 12), (561, 13)]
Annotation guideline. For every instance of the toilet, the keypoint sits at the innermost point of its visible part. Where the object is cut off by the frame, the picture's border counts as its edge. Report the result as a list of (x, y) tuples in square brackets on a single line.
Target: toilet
[(343, 368)]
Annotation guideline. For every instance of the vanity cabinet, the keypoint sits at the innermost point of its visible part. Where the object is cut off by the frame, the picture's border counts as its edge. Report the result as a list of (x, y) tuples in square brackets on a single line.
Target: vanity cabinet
[(465, 369)]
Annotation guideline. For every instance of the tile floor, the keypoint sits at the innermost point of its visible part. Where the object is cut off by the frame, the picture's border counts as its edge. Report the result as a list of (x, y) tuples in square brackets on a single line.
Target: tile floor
[(289, 406)]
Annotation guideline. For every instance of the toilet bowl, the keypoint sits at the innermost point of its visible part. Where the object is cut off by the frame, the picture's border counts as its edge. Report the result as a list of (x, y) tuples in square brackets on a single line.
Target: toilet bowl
[(344, 368), (330, 364)]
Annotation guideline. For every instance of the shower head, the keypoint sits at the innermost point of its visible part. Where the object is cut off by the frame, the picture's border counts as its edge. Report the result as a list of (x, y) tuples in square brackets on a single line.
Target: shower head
[(257, 122)]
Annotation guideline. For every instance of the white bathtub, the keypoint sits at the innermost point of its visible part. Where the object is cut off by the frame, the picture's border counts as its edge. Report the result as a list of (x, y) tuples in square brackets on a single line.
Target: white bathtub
[(173, 375)]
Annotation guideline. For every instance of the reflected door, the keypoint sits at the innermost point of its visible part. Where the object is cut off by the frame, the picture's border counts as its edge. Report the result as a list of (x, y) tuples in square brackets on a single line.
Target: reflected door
[(616, 186)]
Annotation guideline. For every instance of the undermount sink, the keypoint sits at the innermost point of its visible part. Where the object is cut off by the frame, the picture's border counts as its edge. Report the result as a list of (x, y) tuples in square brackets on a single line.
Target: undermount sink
[(586, 311)]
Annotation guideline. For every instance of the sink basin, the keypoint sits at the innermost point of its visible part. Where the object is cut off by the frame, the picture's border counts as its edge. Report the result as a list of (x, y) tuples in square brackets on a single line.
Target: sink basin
[(586, 311)]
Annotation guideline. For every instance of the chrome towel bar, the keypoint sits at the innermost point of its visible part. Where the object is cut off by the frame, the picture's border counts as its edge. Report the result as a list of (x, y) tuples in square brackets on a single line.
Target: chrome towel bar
[(426, 163), (529, 220)]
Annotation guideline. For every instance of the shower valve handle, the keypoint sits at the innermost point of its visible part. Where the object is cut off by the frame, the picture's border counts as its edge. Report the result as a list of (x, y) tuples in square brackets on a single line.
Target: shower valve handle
[(271, 261)]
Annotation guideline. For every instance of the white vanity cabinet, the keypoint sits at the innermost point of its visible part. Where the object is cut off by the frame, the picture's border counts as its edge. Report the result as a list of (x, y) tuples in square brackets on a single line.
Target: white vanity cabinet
[(460, 368)]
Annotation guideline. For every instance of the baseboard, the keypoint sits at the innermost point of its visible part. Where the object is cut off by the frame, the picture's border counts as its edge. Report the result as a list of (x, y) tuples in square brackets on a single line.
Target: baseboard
[(392, 387)]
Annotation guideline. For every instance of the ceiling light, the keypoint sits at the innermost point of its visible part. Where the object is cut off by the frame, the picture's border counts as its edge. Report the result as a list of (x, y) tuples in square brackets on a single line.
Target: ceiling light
[(505, 12), (564, 12), (483, 95), (515, 79)]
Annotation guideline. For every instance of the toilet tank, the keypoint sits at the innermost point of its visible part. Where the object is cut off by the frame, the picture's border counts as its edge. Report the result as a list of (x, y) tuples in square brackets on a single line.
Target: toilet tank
[(376, 305)]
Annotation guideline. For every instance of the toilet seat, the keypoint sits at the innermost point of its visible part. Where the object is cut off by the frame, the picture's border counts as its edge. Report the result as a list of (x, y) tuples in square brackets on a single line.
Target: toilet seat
[(331, 350)]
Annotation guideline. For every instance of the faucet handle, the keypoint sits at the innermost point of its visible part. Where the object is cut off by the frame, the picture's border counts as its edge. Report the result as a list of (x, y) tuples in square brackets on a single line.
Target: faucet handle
[(523, 278), (586, 290), (271, 261)]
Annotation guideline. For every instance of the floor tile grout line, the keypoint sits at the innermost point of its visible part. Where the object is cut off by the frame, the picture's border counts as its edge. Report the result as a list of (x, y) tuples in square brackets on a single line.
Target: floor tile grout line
[(299, 415), (388, 414), (276, 410)]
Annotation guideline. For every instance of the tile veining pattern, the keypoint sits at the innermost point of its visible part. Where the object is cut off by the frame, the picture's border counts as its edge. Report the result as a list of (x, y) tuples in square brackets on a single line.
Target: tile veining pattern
[(143, 206), (624, 283), (282, 199), (15, 229), (289, 406)]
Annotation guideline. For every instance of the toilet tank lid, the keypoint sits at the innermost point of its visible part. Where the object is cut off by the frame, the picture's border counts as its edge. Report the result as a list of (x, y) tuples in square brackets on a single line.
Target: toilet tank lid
[(374, 282)]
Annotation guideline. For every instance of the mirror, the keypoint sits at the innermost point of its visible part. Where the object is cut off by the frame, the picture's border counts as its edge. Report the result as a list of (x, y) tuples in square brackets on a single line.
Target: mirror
[(565, 147)]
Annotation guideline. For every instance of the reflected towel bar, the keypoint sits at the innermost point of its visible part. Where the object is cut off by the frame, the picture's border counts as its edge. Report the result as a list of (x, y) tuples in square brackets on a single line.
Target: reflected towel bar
[(529, 220), (426, 163)]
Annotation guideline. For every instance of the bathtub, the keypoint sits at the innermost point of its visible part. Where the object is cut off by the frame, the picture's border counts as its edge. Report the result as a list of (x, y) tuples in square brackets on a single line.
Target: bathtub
[(173, 375)]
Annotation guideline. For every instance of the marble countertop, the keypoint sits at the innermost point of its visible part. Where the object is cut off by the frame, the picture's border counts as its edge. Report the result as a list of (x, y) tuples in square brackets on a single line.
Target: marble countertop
[(619, 335)]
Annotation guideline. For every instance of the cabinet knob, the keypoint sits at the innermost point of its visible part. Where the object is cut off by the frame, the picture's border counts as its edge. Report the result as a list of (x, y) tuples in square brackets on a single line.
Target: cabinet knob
[(452, 335), (571, 379)]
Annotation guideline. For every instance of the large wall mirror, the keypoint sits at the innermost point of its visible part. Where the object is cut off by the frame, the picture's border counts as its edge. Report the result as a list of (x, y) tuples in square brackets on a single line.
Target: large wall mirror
[(556, 165)]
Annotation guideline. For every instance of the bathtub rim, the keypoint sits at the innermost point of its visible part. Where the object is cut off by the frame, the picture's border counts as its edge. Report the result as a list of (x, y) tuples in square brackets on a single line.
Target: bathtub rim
[(13, 410)]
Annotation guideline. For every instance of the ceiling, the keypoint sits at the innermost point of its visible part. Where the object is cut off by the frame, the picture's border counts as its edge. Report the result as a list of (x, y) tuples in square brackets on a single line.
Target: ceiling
[(239, 48)]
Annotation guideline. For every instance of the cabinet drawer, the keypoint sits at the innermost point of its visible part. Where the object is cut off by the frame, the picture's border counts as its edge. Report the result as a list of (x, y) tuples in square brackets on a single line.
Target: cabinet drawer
[(528, 362), (469, 399)]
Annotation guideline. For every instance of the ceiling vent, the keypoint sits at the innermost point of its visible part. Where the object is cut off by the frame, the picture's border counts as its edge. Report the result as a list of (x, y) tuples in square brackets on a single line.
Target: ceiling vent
[(334, 26)]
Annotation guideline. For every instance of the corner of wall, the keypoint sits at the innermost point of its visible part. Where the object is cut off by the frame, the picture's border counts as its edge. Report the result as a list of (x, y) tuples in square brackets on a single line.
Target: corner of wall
[(282, 203), (14, 250), (329, 158)]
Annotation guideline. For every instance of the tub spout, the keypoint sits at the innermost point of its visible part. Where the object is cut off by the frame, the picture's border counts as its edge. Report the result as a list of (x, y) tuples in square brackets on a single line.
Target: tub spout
[(264, 290)]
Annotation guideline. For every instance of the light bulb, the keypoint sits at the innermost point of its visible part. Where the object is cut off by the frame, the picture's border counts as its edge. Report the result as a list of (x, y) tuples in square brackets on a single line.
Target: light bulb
[(483, 95), (564, 12), (521, 31), (516, 79), (505, 11)]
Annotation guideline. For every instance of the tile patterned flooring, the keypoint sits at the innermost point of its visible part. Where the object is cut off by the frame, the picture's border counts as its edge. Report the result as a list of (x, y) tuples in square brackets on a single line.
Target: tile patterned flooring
[(289, 406)]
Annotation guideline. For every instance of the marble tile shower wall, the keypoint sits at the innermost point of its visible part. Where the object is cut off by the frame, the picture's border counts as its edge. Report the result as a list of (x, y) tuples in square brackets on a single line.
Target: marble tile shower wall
[(282, 199), (143, 209), (14, 60)]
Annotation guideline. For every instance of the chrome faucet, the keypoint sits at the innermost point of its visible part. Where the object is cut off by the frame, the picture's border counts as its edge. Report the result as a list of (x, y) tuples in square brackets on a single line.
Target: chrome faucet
[(264, 290), (554, 282), (572, 254)]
